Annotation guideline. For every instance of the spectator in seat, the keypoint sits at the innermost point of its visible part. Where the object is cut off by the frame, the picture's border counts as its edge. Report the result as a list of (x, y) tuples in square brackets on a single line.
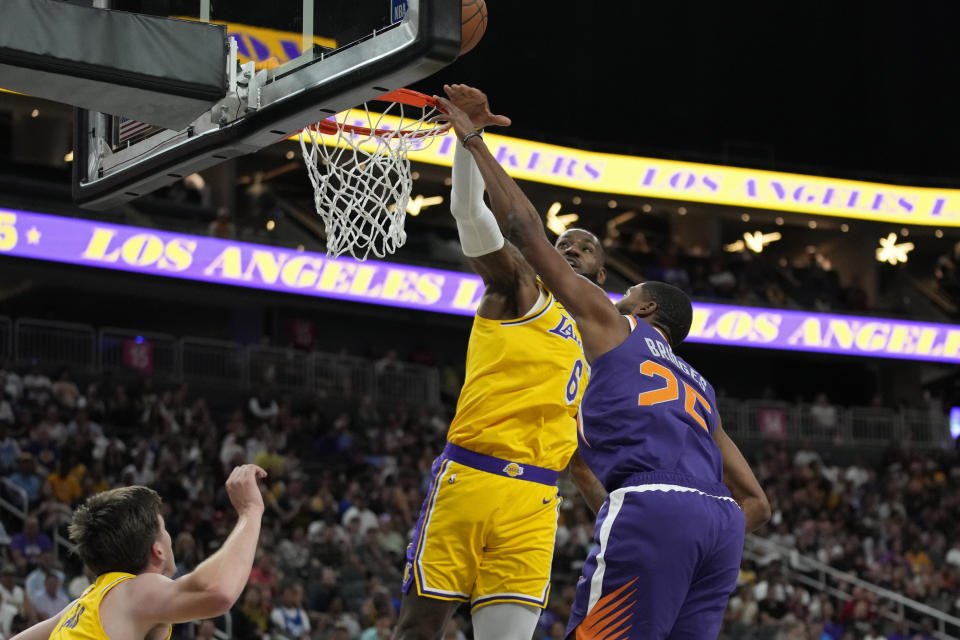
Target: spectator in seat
[(7, 613), (342, 618), (42, 444), (340, 631), (51, 600), (223, 226), (824, 414), (36, 386), (12, 593), (264, 572), (29, 543), (79, 584), (64, 481), (27, 478), (722, 280), (900, 631), (9, 449), (953, 555), (359, 509), (52, 512), (263, 407), (289, 618), (46, 563), (250, 618), (65, 391), (205, 630)]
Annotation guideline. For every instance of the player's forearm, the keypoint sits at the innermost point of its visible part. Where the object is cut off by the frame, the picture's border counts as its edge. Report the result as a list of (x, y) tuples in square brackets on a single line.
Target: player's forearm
[(226, 572), (467, 186), (756, 512), (590, 488), (516, 215), (741, 482), (39, 631), (476, 225)]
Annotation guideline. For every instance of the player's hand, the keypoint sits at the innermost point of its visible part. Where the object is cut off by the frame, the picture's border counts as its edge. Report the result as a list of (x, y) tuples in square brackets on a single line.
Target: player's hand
[(244, 491), (454, 115), (474, 103)]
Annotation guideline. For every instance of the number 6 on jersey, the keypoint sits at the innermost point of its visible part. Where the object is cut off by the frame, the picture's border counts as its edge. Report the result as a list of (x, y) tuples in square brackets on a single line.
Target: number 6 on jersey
[(573, 385)]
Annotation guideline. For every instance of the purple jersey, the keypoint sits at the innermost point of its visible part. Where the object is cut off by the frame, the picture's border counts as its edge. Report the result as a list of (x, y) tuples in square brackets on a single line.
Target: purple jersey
[(646, 410)]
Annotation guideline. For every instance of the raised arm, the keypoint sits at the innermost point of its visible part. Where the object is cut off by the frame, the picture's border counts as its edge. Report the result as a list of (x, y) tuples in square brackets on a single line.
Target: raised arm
[(510, 284), (743, 485), (601, 325), (212, 588)]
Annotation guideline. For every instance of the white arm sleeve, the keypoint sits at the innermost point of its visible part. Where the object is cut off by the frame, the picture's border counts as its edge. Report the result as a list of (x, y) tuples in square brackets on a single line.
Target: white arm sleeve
[(479, 233)]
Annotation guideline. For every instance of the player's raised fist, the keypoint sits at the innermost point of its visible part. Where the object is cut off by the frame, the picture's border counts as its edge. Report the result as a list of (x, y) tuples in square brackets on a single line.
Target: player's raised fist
[(474, 103), (244, 491)]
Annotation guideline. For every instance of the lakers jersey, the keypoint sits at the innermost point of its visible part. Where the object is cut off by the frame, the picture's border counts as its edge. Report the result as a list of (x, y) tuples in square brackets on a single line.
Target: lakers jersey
[(523, 386), (82, 619)]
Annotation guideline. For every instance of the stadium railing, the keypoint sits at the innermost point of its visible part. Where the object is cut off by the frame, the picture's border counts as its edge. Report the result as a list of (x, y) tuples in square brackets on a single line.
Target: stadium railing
[(224, 364), (6, 338), (11, 490), (65, 344), (213, 362), (342, 375), (873, 426), (822, 577), (205, 362)]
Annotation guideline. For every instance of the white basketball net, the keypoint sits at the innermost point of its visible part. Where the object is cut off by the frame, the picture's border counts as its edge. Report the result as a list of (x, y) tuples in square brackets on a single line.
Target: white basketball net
[(361, 181)]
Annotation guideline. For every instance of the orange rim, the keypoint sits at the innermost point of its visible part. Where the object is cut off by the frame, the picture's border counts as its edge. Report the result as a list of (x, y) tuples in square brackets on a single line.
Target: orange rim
[(401, 96)]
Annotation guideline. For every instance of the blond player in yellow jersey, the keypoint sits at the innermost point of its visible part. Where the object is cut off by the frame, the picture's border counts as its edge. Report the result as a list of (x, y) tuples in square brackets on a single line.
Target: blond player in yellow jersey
[(120, 536), (486, 530)]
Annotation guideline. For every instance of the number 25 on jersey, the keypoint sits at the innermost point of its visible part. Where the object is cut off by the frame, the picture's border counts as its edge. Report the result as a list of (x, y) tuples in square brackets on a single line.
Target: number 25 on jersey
[(671, 392)]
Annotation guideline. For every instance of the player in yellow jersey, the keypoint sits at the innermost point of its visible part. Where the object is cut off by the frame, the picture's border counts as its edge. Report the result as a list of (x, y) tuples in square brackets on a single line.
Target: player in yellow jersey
[(486, 530), (120, 536)]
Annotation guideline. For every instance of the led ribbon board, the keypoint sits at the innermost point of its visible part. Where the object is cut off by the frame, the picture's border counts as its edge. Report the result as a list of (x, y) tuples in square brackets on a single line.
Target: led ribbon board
[(174, 255), (695, 182)]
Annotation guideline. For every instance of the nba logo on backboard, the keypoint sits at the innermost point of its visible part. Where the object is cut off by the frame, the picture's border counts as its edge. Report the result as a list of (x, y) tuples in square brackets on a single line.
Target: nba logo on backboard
[(955, 422), (398, 9)]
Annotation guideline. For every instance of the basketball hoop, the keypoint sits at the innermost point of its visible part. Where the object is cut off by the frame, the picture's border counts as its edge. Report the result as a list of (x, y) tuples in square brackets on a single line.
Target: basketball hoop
[(360, 171)]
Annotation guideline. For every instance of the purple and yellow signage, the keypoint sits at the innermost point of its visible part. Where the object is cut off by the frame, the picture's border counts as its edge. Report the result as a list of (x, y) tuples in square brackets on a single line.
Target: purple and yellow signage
[(161, 253), (697, 182), (824, 333)]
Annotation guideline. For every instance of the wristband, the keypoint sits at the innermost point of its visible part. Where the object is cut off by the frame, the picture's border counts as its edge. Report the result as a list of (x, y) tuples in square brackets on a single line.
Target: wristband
[(472, 134)]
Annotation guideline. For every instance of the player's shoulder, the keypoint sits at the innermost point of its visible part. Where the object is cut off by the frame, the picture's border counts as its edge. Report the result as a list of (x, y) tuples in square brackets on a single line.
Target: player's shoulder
[(142, 586)]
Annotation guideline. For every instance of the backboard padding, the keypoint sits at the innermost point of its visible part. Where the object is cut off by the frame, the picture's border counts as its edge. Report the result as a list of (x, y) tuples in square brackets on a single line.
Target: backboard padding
[(320, 83)]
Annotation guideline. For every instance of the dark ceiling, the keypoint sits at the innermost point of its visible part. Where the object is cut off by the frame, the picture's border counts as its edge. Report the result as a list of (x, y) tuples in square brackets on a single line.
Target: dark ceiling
[(848, 88)]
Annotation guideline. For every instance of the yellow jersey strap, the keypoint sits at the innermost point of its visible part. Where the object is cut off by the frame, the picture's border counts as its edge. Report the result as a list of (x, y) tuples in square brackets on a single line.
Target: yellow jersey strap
[(120, 577), (533, 315)]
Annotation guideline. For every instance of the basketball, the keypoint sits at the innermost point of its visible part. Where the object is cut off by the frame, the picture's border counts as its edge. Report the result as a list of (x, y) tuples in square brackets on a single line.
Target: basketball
[(473, 23)]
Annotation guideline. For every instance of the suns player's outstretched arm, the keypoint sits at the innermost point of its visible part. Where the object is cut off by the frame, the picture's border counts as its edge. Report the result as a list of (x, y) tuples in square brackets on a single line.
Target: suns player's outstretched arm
[(510, 286), (601, 325)]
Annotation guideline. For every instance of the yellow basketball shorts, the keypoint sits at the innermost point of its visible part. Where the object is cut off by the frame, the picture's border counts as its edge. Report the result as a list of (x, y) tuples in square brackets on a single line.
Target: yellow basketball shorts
[(486, 532)]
